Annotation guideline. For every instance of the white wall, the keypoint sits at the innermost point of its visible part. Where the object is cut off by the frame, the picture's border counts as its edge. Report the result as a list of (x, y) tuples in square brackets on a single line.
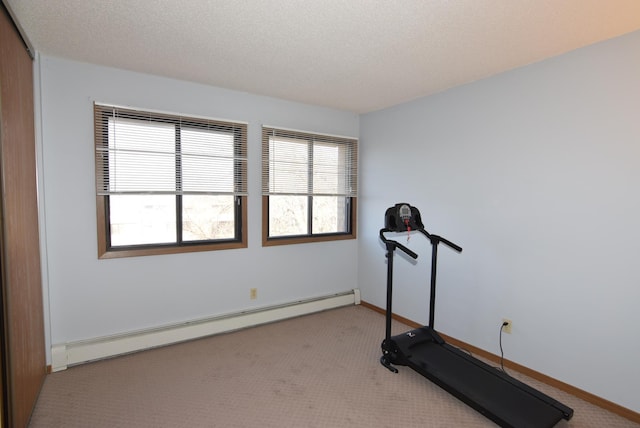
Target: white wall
[(90, 298), (535, 173)]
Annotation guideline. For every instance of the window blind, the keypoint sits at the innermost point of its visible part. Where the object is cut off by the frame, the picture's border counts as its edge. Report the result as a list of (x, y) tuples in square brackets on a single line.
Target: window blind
[(140, 152), (301, 163)]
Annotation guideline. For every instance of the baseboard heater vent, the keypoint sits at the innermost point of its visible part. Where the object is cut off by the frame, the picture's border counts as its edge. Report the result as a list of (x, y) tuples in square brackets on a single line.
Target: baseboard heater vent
[(73, 353)]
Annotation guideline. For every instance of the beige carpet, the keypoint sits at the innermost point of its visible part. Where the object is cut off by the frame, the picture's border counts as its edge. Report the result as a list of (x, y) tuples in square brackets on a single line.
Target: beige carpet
[(320, 370)]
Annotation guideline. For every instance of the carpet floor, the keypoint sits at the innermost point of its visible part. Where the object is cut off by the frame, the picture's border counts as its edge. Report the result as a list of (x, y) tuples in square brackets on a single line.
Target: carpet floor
[(319, 370)]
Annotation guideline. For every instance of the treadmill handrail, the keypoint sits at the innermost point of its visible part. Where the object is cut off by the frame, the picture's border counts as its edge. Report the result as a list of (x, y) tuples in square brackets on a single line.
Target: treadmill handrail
[(396, 244), (435, 239)]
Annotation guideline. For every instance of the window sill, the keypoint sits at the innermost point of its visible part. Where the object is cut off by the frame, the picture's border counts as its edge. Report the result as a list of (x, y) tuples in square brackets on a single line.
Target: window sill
[(269, 242), (139, 252)]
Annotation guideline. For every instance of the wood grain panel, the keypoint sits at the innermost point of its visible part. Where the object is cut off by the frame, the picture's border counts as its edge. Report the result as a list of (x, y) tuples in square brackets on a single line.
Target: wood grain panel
[(24, 347)]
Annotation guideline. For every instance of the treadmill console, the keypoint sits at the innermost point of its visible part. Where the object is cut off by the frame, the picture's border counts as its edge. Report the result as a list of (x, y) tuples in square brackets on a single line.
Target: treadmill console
[(402, 217)]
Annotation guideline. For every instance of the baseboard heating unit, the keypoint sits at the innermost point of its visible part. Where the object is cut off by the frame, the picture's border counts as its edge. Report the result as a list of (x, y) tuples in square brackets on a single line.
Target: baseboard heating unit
[(73, 353)]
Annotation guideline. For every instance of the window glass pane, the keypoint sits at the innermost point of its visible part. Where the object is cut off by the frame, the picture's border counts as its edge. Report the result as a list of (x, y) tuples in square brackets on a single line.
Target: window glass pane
[(288, 165), (288, 215), (207, 160), (326, 169), (142, 219), (142, 156), (208, 217), (330, 214)]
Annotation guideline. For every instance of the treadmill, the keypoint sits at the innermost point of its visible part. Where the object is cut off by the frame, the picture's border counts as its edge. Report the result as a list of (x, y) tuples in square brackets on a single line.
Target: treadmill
[(501, 398)]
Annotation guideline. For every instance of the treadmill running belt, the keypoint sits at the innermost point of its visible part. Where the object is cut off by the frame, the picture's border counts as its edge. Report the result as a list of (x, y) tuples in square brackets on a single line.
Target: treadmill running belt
[(503, 399)]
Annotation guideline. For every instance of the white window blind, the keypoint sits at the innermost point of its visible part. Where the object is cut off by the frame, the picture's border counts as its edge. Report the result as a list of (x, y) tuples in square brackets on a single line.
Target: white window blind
[(141, 152), (301, 163)]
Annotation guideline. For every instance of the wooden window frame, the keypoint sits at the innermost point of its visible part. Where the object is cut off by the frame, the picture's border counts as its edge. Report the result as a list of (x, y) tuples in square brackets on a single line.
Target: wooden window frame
[(351, 233), (105, 251)]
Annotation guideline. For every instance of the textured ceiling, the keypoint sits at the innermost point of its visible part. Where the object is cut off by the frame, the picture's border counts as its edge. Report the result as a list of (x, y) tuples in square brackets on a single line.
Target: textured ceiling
[(357, 55)]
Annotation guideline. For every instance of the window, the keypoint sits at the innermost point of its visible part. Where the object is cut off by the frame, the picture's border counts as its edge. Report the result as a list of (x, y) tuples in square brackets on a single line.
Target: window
[(167, 183), (309, 186)]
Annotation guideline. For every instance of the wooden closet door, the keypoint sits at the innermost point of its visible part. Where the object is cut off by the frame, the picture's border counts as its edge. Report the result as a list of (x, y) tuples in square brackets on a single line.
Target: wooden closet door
[(24, 360)]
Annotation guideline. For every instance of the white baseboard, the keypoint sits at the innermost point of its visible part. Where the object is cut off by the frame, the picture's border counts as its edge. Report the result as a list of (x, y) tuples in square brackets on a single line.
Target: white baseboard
[(72, 353)]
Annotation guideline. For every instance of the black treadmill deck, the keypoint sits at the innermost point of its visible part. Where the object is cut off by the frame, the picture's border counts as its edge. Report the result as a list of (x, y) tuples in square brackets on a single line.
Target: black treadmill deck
[(498, 396)]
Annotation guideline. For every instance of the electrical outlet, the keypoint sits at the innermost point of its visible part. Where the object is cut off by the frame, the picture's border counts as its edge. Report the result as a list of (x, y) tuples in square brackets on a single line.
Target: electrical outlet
[(253, 293), (506, 325)]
